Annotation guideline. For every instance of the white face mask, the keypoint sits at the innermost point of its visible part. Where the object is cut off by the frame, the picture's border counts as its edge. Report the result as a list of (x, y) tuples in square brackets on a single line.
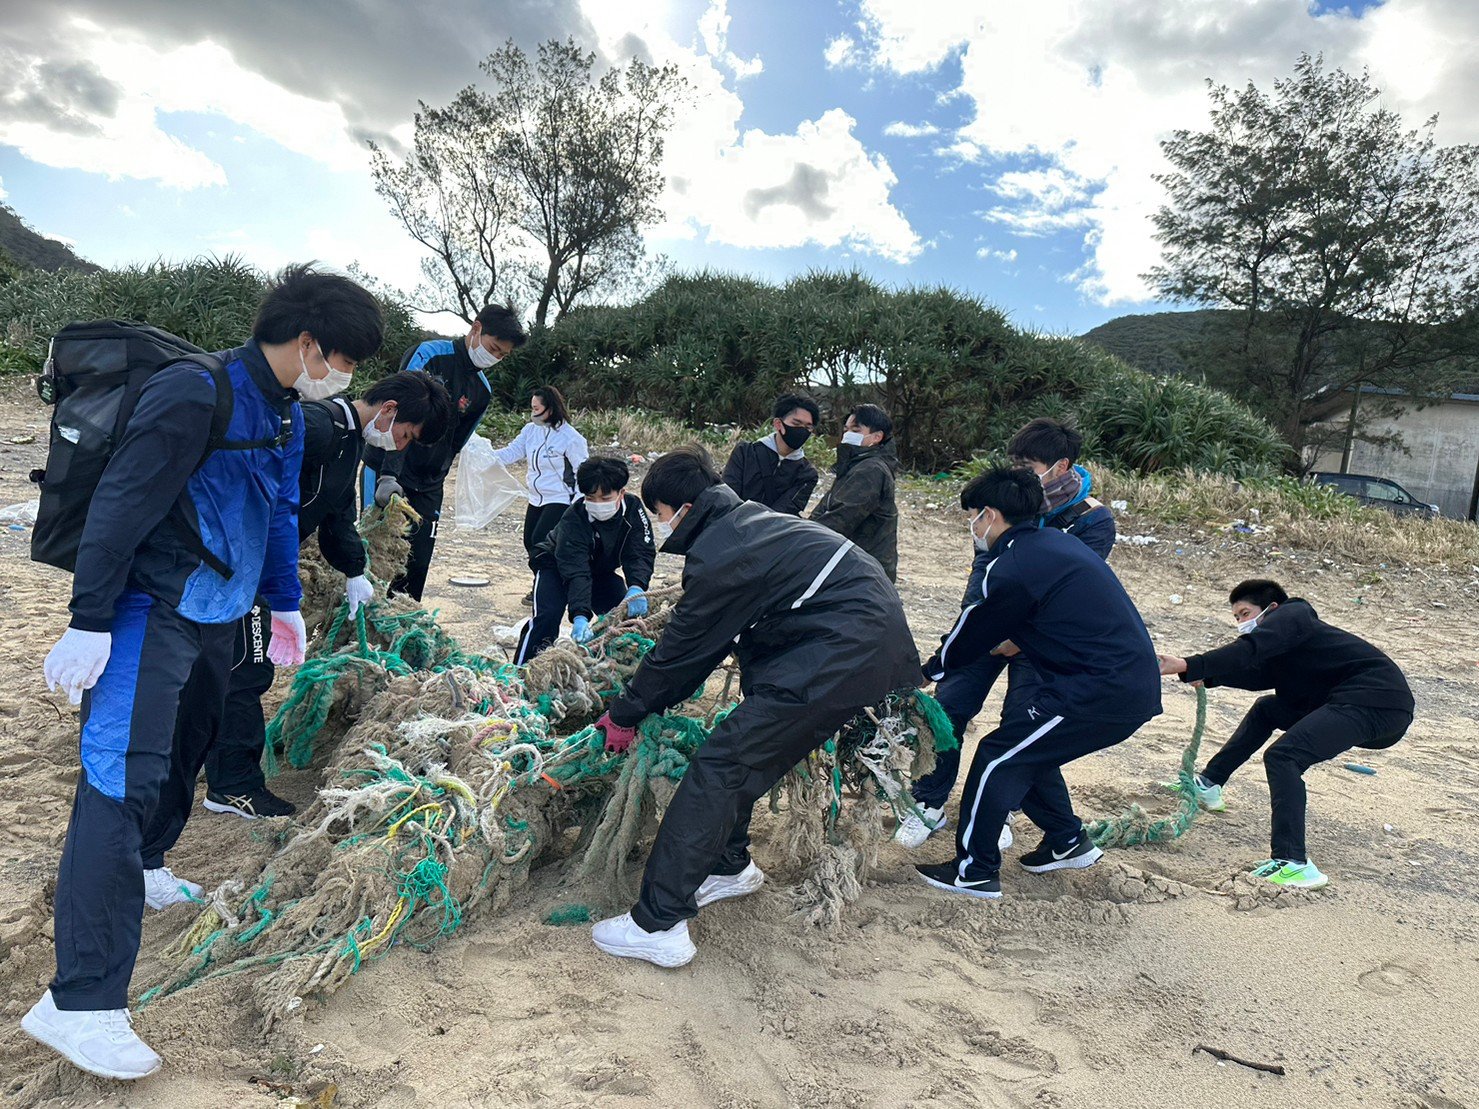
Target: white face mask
[(481, 358), (1252, 622), (981, 544), (602, 510), (320, 388), (852, 438), (664, 529), (385, 440)]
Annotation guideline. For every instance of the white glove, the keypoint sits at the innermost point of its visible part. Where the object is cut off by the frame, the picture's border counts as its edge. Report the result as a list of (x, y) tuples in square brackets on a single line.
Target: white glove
[(77, 661), (358, 591), (289, 639)]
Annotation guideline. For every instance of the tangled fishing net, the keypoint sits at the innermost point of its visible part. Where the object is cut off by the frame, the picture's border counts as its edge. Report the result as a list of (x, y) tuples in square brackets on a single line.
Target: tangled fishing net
[(450, 775)]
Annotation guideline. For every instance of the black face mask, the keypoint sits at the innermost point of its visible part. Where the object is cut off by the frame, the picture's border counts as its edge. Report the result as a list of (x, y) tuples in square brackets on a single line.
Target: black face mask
[(795, 437)]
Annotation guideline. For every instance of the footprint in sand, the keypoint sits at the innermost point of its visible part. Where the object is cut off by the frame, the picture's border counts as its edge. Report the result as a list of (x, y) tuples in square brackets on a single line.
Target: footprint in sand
[(1390, 979)]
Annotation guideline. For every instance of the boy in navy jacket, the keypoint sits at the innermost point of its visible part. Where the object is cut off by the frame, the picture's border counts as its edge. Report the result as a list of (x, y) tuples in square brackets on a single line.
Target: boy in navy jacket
[(1066, 611), (576, 565), (1332, 691), (1049, 448), (153, 628)]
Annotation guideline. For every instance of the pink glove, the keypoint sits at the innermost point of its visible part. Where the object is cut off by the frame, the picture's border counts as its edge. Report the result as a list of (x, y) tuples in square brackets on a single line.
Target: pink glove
[(289, 639), (618, 739)]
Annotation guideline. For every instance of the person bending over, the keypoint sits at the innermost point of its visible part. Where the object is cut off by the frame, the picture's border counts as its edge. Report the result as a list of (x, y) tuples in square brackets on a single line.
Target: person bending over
[(1331, 691)]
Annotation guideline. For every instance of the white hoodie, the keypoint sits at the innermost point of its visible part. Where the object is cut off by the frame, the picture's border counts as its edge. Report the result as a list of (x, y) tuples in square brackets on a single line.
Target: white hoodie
[(548, 450)]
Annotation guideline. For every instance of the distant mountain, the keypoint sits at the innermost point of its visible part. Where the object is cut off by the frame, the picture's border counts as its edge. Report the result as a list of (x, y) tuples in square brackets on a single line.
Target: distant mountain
[(1160, 342), (21, 245)]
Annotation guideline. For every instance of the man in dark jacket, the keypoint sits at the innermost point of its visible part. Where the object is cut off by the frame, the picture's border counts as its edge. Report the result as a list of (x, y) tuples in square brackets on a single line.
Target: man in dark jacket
[(819, 634), (419, 473), (775, 471), (1332, 691), (1049, 448), (397, 411), (860, 505), (575, 565), (150, 616), (1057, 601)]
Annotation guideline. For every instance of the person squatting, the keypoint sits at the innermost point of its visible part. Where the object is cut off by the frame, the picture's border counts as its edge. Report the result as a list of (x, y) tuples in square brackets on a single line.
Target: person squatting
[(169, 660)]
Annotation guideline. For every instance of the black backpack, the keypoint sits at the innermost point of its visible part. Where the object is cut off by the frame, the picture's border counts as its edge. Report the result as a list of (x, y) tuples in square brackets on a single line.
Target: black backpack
[(93, 376)]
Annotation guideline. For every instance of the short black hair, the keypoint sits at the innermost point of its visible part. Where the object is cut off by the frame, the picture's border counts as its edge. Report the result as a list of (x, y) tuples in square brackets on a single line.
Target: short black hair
[(554, 404), (1045, 440), (1016, 494), (1259, 591), (342, 316), (419, 399), (873, 418), (602, 475), (678, 477), (790, 402), (501, 322)]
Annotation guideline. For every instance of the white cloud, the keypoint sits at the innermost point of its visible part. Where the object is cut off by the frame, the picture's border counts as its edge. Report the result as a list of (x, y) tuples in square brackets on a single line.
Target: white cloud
[(2, 189), (1089, 87), (1006, 257), (840, 51), (901, 130), (817, 185), (713, 27)]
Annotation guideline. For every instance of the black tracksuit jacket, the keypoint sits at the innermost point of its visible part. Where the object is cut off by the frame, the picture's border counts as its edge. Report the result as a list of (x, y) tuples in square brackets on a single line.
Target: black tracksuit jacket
[(757, 473), (804, 612), (860, 504), (332, 445), (580, 548), (1306, 662)]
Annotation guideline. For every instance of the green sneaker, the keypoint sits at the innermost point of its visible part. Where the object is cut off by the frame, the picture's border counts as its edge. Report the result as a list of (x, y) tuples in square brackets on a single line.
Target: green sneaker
[(1209, 794), (1300, 876)]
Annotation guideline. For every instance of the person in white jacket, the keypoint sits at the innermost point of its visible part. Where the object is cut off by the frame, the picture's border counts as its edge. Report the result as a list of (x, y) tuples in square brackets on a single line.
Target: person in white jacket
[(553, 450)]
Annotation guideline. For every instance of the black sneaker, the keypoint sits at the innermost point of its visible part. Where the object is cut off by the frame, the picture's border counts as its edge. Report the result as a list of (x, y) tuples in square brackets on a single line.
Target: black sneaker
[(527, 600), (946, 876), (258, 803), (1044, 858)]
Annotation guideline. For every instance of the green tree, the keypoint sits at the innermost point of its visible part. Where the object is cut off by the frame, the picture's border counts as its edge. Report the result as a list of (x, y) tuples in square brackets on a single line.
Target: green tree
[(539, 189), (1347, 245)]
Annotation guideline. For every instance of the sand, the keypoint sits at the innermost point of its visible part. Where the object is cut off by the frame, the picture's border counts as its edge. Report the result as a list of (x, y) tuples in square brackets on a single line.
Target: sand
[(1088, 988)]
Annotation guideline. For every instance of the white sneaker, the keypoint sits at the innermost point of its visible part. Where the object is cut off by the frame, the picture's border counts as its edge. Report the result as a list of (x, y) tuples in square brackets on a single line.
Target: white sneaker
[(918, 825), (620, 936), (162, 889), (718, 887), (100, 1041)]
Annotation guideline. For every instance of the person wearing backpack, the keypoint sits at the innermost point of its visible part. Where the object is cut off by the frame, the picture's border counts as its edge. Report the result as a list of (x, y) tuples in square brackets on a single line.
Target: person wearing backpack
[(419, 473), (151, 615), (576, 565), (396, 411)]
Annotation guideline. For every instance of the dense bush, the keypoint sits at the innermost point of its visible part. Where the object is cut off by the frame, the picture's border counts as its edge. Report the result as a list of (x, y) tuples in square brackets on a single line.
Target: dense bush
[(956, 377), (210, 301)]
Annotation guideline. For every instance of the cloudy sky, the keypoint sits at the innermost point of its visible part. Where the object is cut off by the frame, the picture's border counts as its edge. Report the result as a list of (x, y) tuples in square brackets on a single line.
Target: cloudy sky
[(1005, 147)]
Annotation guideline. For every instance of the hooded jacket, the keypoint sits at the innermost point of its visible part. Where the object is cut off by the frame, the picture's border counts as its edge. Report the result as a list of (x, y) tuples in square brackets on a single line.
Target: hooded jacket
[(757, 472), (553, 455), (1062, 605), (579, 548), (332, 444), (424, 466), (860, 505), (1306, 662), (801, 608)]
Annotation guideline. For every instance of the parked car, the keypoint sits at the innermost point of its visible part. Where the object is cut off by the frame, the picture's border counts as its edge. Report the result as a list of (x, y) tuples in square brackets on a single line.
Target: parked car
[(1380, 491)]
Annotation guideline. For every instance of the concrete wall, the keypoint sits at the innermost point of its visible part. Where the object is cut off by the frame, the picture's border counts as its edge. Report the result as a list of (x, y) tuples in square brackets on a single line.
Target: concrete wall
[(1444, 445)]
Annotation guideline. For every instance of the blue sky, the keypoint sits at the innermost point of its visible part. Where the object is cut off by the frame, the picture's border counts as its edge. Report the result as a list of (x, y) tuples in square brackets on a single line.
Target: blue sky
[(1003, 148)]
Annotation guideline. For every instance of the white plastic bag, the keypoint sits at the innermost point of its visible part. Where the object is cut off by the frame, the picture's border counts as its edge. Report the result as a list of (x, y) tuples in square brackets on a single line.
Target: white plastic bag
[(23, 513), (484, 485)]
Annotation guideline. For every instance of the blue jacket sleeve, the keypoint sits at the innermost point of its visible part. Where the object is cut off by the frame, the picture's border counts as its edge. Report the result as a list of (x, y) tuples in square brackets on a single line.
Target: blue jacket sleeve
[(982, 627), (163, 444), (280, 585)]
